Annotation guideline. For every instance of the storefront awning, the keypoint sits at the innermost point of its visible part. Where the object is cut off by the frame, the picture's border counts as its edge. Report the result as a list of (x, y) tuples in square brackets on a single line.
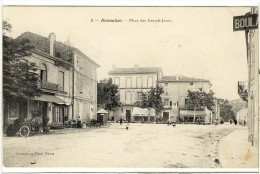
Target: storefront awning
[(102, 111), (49, 98), (142, 112), (191, 113)]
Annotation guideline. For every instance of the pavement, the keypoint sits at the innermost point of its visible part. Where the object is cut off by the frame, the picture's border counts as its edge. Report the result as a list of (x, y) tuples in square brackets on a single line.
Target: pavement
[(141, 146), (236, 152)]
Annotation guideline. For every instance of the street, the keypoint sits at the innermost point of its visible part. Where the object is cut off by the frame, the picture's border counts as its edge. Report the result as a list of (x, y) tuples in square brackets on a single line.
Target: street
[(141, 146)]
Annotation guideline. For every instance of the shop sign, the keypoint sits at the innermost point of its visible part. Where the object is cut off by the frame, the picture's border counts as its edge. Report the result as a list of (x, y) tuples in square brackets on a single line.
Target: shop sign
[(12, 111), (245, 22)]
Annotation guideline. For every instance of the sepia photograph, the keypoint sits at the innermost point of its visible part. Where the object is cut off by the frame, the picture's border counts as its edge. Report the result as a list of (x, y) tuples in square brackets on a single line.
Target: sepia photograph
[(151, 88)]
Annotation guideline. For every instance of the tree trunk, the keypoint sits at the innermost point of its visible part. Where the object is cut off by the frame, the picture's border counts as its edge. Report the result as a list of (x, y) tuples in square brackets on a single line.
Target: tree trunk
[(194, 116), (149, 116)]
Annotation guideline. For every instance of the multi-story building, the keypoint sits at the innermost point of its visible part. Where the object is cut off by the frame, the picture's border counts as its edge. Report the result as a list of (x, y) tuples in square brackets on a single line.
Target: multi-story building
[(249, 90), (131, 83), (68, 79), (175, 98)]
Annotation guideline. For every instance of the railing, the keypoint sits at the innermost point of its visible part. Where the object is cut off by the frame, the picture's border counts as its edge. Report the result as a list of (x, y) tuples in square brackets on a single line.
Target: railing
[(49, 85), (243, 90)]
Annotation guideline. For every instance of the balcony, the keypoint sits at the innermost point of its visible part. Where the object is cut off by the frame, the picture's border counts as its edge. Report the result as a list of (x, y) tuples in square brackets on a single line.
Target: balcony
[(243, 90), (50, 86)]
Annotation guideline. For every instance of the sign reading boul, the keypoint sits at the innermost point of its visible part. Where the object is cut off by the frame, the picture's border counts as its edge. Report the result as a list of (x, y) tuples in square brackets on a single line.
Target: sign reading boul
[(245, 22)]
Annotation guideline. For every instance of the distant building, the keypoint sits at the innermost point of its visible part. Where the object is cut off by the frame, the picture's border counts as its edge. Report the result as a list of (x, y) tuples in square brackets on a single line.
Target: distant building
[(131, 82), (175, 98), (249, 90), (68, 79)]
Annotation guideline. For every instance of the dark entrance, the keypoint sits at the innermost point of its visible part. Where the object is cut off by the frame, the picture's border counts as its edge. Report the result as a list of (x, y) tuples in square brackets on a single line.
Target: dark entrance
[(128, 116), (165, 116)]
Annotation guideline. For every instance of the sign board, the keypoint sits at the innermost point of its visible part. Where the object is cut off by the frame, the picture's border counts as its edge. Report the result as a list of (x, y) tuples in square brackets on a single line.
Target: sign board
[(245, 22), (12, 111)]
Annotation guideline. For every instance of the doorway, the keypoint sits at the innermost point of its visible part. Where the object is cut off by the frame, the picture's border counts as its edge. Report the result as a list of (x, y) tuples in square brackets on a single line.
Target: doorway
[(128, 116), (166, 116)]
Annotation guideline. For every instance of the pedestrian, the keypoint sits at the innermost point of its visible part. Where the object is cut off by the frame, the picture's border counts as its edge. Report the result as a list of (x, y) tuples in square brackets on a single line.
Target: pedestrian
[(79, 122), (168, 122), (121, 120), (244, 122), (235, 121), (230, 121)]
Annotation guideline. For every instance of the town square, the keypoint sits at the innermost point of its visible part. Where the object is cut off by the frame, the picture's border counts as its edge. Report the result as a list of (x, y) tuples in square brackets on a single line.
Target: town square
[(130, 87)]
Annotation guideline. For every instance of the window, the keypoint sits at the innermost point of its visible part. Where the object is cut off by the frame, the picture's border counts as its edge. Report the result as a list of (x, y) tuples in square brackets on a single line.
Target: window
[(61, 80), (150, 82), (117, 81), (80, 83), (166, 90), (128, 82), (60, 114), (56, 117), (139, 82), (166, 102), (170, 103), (191, 83), (43, 73), (128, 97), (139, 96)]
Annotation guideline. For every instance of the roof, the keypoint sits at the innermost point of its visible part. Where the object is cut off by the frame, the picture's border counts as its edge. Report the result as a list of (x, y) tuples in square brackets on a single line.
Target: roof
[(61, 50), (136, 70), (181, 79)]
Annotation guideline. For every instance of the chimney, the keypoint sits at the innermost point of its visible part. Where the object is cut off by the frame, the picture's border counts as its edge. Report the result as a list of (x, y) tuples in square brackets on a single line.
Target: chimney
[(68, 42), (135, 66), (113, 67), (52, 39)]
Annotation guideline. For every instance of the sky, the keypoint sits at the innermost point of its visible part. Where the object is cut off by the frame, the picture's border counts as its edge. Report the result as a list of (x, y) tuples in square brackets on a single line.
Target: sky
[(198, 42)]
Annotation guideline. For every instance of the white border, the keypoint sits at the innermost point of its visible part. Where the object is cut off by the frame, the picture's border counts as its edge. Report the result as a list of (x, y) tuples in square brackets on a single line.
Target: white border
[(192, 3), (159, 170), (133, 2)]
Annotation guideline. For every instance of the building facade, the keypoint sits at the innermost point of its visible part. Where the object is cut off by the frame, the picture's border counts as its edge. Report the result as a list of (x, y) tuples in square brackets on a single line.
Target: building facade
[(131, 83), (175, 98), (68, 79)]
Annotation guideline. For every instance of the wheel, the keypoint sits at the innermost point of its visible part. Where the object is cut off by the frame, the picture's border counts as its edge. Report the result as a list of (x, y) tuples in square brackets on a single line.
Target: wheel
[(24, 131)]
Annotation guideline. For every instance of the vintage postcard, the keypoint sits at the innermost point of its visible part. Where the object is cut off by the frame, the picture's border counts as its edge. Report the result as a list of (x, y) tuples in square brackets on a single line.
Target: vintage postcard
[(130, 88)]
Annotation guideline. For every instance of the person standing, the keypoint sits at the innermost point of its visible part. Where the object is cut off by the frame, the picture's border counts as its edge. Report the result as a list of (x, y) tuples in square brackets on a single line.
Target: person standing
[(121, 120), (79, 122)]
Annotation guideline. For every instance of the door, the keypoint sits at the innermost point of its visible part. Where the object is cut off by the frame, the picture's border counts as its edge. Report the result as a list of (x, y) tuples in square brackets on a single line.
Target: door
[(45, 118), (165, 116), (128, 116)]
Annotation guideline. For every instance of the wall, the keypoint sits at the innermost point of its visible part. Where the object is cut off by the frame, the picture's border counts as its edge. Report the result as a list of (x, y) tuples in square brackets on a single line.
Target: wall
[(85, 89), (134, 88), (178, 91)]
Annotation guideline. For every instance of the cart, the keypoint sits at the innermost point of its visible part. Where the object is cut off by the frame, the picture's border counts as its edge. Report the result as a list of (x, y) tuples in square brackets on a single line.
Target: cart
[(26, 128)]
